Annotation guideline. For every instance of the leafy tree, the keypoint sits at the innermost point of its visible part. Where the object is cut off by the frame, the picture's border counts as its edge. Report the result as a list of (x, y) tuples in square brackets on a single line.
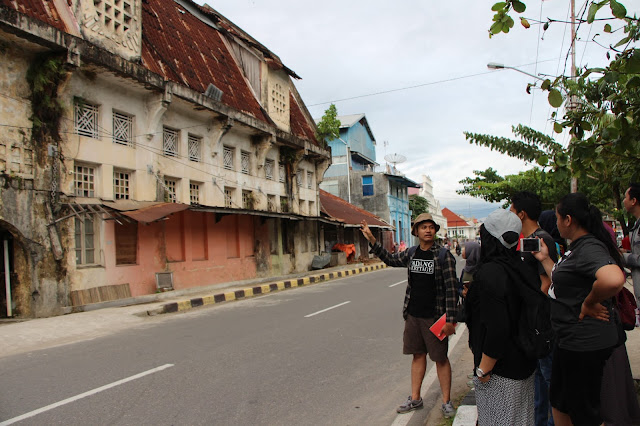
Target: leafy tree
[(417, 205), (603, 111), (329, 126)]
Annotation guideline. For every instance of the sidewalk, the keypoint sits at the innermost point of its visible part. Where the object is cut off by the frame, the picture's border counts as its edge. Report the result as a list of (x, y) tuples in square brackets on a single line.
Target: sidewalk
[(101, 319)]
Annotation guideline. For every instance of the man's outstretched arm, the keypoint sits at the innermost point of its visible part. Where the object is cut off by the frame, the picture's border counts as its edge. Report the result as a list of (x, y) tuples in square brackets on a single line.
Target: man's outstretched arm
[(391, 259)]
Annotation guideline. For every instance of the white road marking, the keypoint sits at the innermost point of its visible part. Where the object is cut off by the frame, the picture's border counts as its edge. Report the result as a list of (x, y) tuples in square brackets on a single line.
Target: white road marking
[(400, 282), (319, 312), (83, 395), (432, 375)]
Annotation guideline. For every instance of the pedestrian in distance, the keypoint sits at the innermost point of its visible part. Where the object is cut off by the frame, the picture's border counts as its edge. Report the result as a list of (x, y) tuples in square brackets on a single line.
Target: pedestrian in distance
[(527, 206), (583, 283), (402, 246), (430, 293), (631, 203), (504, 374)]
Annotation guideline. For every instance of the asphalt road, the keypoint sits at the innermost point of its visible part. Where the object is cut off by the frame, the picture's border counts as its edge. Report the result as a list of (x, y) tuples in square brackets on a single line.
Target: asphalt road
[(328, 354)]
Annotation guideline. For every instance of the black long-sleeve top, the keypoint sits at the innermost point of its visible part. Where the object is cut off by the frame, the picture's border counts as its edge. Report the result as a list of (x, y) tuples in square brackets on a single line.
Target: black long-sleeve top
[(493, 306)]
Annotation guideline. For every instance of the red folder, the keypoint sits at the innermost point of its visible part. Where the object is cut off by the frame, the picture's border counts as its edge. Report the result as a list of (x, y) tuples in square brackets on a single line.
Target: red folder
[(437, 326)]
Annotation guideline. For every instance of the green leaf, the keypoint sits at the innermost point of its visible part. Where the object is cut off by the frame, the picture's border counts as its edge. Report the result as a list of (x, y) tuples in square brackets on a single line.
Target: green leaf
[(593, 9), (633, 63), (623, 41), (518, 6), (586, 126), (525, 23), (555, 98), (543, 160), (607, 28), (496, 28), (617, 9), (498, 6), (633, 82), (546, 84), (557, 127), (545, 26)]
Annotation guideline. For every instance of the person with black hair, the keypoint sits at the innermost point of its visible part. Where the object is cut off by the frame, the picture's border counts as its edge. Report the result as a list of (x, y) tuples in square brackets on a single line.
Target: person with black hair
[(583, 283), (547, 221), (527, 206), (504, 379), (632, 258)]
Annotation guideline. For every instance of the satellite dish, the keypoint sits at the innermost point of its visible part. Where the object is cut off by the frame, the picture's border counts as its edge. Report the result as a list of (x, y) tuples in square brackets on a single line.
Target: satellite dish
[(395, 158)]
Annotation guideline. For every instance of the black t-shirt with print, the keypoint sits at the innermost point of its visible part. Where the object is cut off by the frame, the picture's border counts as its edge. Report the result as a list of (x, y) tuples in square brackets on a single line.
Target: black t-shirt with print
[(571, 281), (423, 285)]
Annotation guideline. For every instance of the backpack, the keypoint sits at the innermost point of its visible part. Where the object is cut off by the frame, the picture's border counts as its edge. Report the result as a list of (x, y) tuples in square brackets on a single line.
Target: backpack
[(534, 335), (626, 303)]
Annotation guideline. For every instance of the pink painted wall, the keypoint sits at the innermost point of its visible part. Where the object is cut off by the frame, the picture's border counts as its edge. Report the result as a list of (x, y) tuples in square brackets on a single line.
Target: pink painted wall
[(192, 245)]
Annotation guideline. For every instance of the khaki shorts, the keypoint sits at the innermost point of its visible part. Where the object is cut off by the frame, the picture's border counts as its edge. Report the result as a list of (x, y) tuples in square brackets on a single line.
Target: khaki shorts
[(418, 339)]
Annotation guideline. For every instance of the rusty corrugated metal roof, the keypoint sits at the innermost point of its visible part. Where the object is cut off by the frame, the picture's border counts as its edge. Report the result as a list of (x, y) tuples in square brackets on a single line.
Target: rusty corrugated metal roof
[(337, 208), (153, 212)]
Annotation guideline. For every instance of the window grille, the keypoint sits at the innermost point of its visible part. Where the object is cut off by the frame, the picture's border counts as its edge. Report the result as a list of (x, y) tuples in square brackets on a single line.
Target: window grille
[(247, 200), (195, 147), (268, 169), (228, 158), (170, 188), (281, 173), (299, 177), (271, 203), (86, 119), (245, 159), (84, 181), (309, 179), (121, 185), (84, 238), (284, 205), (122, 129), (194, 193), (228, 197), (170, 142)]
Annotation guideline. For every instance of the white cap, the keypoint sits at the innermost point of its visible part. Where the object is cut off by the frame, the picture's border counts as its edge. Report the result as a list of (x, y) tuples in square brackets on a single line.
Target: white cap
[(502, 221)]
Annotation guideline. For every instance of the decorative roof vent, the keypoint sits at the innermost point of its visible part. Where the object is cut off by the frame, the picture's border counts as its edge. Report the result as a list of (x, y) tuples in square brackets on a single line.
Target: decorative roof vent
[(213, 92)]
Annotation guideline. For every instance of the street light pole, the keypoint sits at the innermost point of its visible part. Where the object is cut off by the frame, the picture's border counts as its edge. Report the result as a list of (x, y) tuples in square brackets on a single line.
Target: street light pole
[(497, 66)]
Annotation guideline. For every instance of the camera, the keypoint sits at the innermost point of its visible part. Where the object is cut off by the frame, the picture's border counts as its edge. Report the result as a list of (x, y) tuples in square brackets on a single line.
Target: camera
[(529, 244)]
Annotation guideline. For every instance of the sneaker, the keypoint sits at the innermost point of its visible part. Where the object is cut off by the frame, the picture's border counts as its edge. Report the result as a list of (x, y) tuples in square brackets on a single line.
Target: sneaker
[(410, 405), (448, 410)]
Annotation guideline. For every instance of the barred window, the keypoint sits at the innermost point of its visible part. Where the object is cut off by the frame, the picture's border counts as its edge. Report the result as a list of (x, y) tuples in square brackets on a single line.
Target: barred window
[(309, 179), (271, 203), (228, 197), (227, 157), (122, 129), (247, 200), (85, 119), (84, 181), (299, 177), (170, 189), (194, 193), (268, 169), (84, 239), (121, 185), (302, 207), (312, 208), (195, 148), (246, 162), (169, 142), (284, 204), (281, 173)]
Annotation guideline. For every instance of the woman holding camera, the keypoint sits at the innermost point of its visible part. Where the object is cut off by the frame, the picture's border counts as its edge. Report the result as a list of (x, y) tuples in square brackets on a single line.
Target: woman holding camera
[(583, 283)]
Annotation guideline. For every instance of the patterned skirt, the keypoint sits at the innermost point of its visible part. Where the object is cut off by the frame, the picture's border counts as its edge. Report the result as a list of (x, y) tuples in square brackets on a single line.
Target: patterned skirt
[(503, 401)]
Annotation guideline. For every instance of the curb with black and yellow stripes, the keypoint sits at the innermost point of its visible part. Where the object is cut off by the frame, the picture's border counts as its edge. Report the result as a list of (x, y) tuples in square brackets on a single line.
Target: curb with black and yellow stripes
[(196, 302)]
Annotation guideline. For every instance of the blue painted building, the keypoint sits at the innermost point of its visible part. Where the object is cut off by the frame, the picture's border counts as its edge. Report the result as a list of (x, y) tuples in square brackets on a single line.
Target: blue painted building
[(356, 177)]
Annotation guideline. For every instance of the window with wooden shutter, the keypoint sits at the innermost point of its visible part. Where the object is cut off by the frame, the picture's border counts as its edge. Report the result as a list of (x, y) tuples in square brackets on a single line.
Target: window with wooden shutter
[(126, 243)]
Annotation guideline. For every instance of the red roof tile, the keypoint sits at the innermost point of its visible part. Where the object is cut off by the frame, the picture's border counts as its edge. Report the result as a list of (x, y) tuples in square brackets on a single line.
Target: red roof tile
[(337, 208), (299, 125), (42, 10), (453, 219), (183, 49)]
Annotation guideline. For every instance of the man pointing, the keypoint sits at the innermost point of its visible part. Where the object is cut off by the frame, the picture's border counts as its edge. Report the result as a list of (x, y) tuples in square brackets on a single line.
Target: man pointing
[(431, 292)]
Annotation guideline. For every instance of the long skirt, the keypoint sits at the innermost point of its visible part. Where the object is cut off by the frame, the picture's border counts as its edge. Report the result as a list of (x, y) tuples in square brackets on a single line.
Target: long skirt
[(503, 401), (618, 398)]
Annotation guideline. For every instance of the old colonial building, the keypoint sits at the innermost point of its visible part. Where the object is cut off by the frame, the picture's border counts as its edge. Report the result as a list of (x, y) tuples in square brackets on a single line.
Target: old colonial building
[(146, 144)]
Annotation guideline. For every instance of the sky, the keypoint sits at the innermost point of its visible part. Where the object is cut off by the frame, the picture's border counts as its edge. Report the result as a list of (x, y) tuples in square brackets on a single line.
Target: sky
[(418, 71)]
